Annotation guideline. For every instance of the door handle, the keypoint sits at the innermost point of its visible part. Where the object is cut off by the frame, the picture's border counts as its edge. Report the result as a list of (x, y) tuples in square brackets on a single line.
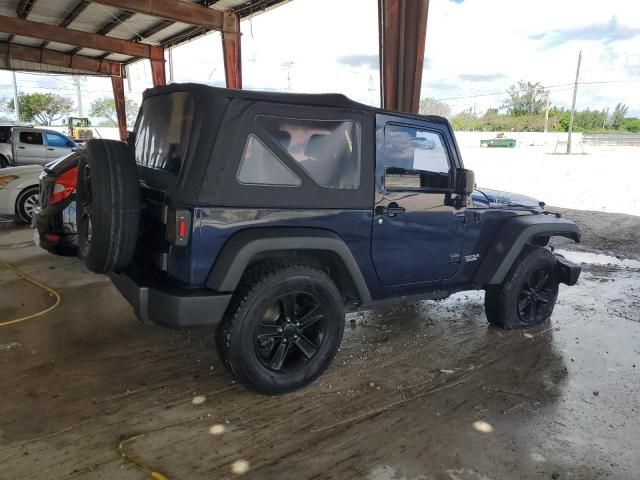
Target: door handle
[(461, 217), (50, 149), (21, 148), (391, 211)]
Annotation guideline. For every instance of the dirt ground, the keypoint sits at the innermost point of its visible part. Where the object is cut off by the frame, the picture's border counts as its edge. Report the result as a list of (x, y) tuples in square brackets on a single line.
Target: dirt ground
[(419, 391)]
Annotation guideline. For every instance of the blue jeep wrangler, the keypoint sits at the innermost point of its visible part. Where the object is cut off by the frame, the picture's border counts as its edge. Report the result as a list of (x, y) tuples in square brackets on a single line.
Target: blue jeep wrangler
[(269, 215)]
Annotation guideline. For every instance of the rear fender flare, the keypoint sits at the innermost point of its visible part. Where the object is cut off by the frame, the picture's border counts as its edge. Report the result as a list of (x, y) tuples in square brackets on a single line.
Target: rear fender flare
[(242, 247), (511, 239)]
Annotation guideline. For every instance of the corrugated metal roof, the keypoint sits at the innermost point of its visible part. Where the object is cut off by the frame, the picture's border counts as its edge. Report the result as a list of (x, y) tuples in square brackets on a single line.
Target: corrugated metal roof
[(96, 16)]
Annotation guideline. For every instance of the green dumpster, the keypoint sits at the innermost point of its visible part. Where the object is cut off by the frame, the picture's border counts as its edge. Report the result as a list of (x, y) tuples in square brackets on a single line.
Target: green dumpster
[(498, 143)]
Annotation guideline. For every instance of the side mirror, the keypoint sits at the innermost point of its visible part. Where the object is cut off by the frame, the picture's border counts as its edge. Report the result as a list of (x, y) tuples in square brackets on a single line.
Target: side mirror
[(465, 182)]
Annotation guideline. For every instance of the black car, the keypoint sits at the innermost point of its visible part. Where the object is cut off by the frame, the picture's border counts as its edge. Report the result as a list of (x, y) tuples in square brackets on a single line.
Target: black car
[(269, 215), (54, 218)]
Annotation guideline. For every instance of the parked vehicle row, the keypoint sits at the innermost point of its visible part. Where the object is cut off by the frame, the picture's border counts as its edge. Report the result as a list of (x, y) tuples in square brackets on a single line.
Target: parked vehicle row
[(29, 146)]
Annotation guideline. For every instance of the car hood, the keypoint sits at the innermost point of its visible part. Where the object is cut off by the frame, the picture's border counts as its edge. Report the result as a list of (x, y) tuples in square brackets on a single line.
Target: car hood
[(22, 170), (487, 198)]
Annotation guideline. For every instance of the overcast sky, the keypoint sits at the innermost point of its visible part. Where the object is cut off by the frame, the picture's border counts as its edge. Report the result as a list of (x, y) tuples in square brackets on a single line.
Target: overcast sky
[(473, 48)]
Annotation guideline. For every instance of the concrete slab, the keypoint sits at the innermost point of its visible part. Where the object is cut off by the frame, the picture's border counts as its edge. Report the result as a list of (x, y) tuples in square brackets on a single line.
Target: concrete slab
[(419, 391)]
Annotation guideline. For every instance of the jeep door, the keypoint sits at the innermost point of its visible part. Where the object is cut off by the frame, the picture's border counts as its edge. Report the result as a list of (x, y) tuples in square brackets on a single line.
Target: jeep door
[(417, 234), (28, 146)]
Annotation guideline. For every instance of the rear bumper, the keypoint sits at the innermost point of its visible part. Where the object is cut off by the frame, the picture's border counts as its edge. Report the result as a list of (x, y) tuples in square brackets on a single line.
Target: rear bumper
[(56, 231), (155, 302), (568, 272)]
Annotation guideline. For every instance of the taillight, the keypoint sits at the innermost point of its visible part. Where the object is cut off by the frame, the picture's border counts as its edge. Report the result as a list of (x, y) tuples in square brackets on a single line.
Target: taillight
[(64, 185), (178, 226)]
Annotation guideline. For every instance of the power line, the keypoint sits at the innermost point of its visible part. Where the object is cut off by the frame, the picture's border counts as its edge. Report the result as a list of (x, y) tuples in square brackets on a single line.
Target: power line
[(549, 87)]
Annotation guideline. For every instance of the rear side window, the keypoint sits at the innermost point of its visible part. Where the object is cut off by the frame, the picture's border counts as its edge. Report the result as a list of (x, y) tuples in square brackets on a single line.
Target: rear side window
[(260, 166), (31, 138), (327, 150), (56, 140), (163, 131)]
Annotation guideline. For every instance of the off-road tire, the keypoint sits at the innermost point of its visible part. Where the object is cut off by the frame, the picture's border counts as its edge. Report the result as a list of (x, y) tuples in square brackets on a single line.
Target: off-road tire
[(108, 206), (259, 289), (25, 205), (502, 301)]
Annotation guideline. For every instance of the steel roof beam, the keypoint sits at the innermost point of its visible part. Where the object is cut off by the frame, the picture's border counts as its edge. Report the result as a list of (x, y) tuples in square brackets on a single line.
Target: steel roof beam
[(78, 38), (176, 10), (24, 8), (59, 59)]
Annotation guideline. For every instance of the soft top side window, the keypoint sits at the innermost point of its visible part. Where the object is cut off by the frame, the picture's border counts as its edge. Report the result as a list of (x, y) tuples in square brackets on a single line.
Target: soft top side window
[(415, 159), (260, 166), (327, 150)]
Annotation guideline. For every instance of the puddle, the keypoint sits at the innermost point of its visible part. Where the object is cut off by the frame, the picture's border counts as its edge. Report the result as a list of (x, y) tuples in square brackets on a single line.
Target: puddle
[(599, 259)]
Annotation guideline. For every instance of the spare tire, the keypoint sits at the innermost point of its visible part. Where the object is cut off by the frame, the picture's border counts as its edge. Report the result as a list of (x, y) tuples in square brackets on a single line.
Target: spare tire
[(108, 206)]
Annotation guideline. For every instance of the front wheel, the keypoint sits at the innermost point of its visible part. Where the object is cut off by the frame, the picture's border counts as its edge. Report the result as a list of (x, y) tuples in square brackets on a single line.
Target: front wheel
[(282, 329), (528, 294), (26, 203)]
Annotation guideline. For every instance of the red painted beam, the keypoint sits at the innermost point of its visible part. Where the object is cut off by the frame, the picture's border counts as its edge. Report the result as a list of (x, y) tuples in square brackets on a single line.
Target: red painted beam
[(176, 10), (118, 95), (78, 38), (403, 30), (60, 59), (232, 50), (158, 73)]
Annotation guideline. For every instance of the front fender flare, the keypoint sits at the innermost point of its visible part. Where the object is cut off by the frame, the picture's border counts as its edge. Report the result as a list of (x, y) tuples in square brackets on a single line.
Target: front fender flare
[(511, 240), (238, 251)]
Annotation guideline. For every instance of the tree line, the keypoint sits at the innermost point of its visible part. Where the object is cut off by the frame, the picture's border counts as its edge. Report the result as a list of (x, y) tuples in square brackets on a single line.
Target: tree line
[(47, 108), (525, 110)]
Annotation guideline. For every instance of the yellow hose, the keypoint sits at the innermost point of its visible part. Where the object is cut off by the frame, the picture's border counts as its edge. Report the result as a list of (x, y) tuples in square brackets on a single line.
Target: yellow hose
[(137, 463), (51, 291)]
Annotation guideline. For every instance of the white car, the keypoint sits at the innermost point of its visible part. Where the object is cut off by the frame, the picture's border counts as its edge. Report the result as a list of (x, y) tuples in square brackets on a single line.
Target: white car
[(19, 188)]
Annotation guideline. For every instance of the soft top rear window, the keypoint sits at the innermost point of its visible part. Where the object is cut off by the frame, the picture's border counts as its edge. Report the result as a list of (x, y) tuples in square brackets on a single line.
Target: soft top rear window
[(163, 131)]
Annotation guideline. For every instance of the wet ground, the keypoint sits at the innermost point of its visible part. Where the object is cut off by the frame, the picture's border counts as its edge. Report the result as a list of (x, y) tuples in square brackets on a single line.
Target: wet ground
[(420, 391)]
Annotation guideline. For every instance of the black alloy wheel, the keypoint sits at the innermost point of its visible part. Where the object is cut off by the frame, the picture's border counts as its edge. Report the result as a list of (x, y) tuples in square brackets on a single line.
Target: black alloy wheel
[(282, 328), (291, 332), (536, 297)]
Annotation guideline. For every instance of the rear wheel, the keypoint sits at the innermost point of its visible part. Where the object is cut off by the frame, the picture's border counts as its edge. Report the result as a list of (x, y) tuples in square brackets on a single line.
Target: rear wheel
[(26, 203), (528, 294), (283, 328)]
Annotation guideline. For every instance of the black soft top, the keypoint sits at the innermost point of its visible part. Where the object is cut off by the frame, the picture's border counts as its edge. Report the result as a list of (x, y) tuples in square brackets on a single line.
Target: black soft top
[(311, 99), (222, 121)]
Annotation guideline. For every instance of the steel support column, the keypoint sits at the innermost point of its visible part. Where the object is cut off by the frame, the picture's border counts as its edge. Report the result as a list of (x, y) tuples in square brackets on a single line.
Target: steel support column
[(403, 28), (117, 82), (231, 48), (158, 74)]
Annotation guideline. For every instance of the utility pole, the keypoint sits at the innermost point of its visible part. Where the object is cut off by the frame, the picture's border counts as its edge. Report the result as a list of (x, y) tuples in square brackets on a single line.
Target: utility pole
[(287, 66), (16, 100), (546, 114), (170, 66), (573, 104), (604, 120), (127, 74), (79, 95)]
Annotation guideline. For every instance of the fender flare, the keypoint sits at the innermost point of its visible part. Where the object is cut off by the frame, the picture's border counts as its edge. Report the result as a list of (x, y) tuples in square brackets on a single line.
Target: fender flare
[(240, 248), (511, 239)]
